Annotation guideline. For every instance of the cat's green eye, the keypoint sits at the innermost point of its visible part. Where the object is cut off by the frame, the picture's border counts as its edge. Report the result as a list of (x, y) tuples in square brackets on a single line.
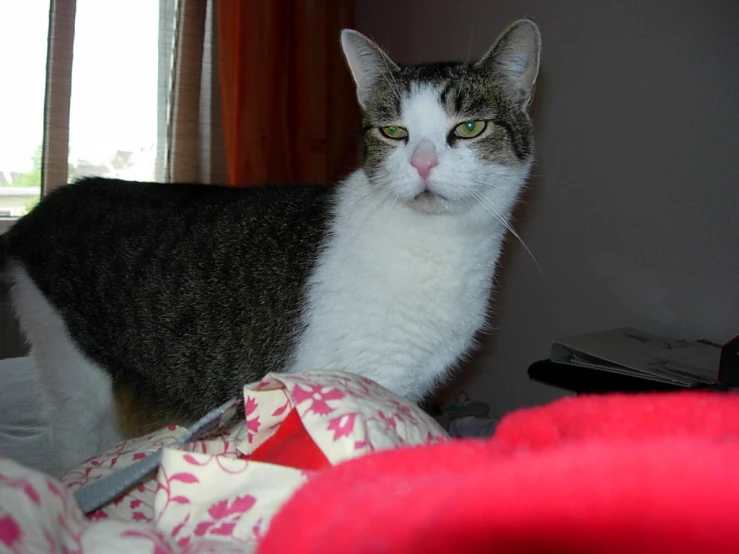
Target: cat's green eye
[(394, 132), (469, 129)]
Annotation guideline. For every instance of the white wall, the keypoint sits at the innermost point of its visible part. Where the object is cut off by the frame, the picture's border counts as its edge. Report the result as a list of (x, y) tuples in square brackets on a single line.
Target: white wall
[(632, 214)]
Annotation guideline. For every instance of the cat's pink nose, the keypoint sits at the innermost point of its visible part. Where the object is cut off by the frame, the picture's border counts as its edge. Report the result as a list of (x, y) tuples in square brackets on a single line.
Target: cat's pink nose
[(424, 158)]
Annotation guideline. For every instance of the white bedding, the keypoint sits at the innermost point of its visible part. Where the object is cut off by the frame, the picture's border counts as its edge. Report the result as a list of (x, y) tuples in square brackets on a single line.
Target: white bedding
[(24, 429), (206, 496)]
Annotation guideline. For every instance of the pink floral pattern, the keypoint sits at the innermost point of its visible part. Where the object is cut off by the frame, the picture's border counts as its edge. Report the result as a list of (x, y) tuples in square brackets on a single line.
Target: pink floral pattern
[(137, 505), (318, 397), (349, 416), (205, 496)]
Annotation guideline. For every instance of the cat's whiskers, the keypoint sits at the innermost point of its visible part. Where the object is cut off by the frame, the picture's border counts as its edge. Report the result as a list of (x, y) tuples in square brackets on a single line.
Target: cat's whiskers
[(392, 205), (477, 223), (368, 215), (502, 220), (487, 184)]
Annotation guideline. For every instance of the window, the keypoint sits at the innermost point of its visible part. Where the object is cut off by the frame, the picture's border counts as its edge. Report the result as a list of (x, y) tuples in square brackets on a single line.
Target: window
[(114, 100), (117, 114), (23, 77)]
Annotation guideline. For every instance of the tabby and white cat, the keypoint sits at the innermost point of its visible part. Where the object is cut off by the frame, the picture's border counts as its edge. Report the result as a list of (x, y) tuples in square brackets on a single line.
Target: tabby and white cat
[(148, 304)]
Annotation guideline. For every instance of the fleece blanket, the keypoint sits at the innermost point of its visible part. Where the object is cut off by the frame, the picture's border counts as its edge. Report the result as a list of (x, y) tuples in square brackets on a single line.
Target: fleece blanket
[(607, 474)]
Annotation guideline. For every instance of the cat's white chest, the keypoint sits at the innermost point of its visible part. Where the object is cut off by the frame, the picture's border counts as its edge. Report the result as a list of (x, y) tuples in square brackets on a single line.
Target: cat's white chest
[(396, 300)]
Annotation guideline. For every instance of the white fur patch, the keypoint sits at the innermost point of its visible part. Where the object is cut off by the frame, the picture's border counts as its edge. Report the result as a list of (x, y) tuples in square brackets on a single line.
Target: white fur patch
[(398, 294), (77, 393)]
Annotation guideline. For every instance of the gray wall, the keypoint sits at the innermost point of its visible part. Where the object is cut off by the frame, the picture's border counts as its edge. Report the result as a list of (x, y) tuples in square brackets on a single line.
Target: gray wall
[(632, 212)]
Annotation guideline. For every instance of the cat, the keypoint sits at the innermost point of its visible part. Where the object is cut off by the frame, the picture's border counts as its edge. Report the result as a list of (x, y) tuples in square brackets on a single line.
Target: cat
[(147, 304)]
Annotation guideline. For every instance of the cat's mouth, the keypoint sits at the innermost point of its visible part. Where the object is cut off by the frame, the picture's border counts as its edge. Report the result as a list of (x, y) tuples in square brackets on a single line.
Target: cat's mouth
[(428, 201), (428, 193)]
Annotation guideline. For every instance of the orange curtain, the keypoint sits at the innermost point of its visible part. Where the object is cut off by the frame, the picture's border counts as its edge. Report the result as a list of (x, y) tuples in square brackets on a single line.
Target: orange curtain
[(288, 101)]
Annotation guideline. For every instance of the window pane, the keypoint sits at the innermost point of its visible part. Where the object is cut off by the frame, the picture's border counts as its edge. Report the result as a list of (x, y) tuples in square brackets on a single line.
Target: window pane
[(23, 42), (114, 106)]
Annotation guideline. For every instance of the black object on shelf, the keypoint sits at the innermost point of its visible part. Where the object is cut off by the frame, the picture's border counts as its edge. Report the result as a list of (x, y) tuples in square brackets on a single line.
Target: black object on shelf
[(584, 380), (728, 372)]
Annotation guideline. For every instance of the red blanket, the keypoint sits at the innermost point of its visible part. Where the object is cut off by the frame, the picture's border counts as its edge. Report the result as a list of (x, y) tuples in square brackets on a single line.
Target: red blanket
[(609, 474)]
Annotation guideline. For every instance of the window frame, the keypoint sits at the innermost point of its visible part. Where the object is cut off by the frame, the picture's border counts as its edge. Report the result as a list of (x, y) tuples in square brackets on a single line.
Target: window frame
[(58, 94)]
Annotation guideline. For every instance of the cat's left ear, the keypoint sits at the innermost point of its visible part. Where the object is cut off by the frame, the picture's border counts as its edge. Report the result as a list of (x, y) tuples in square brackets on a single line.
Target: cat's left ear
[(367, 63), (514, 60)]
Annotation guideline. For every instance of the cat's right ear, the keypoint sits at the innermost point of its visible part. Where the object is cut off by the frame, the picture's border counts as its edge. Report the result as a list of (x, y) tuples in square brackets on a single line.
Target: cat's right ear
[(367, 62), (514, 60)]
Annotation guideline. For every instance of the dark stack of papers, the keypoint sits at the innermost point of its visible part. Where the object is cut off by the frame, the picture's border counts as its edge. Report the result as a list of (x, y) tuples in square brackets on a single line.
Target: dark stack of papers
[(631, 352)]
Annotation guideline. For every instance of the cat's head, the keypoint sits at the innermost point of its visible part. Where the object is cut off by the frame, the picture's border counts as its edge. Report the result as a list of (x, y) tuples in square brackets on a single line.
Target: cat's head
[(448, 137)]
